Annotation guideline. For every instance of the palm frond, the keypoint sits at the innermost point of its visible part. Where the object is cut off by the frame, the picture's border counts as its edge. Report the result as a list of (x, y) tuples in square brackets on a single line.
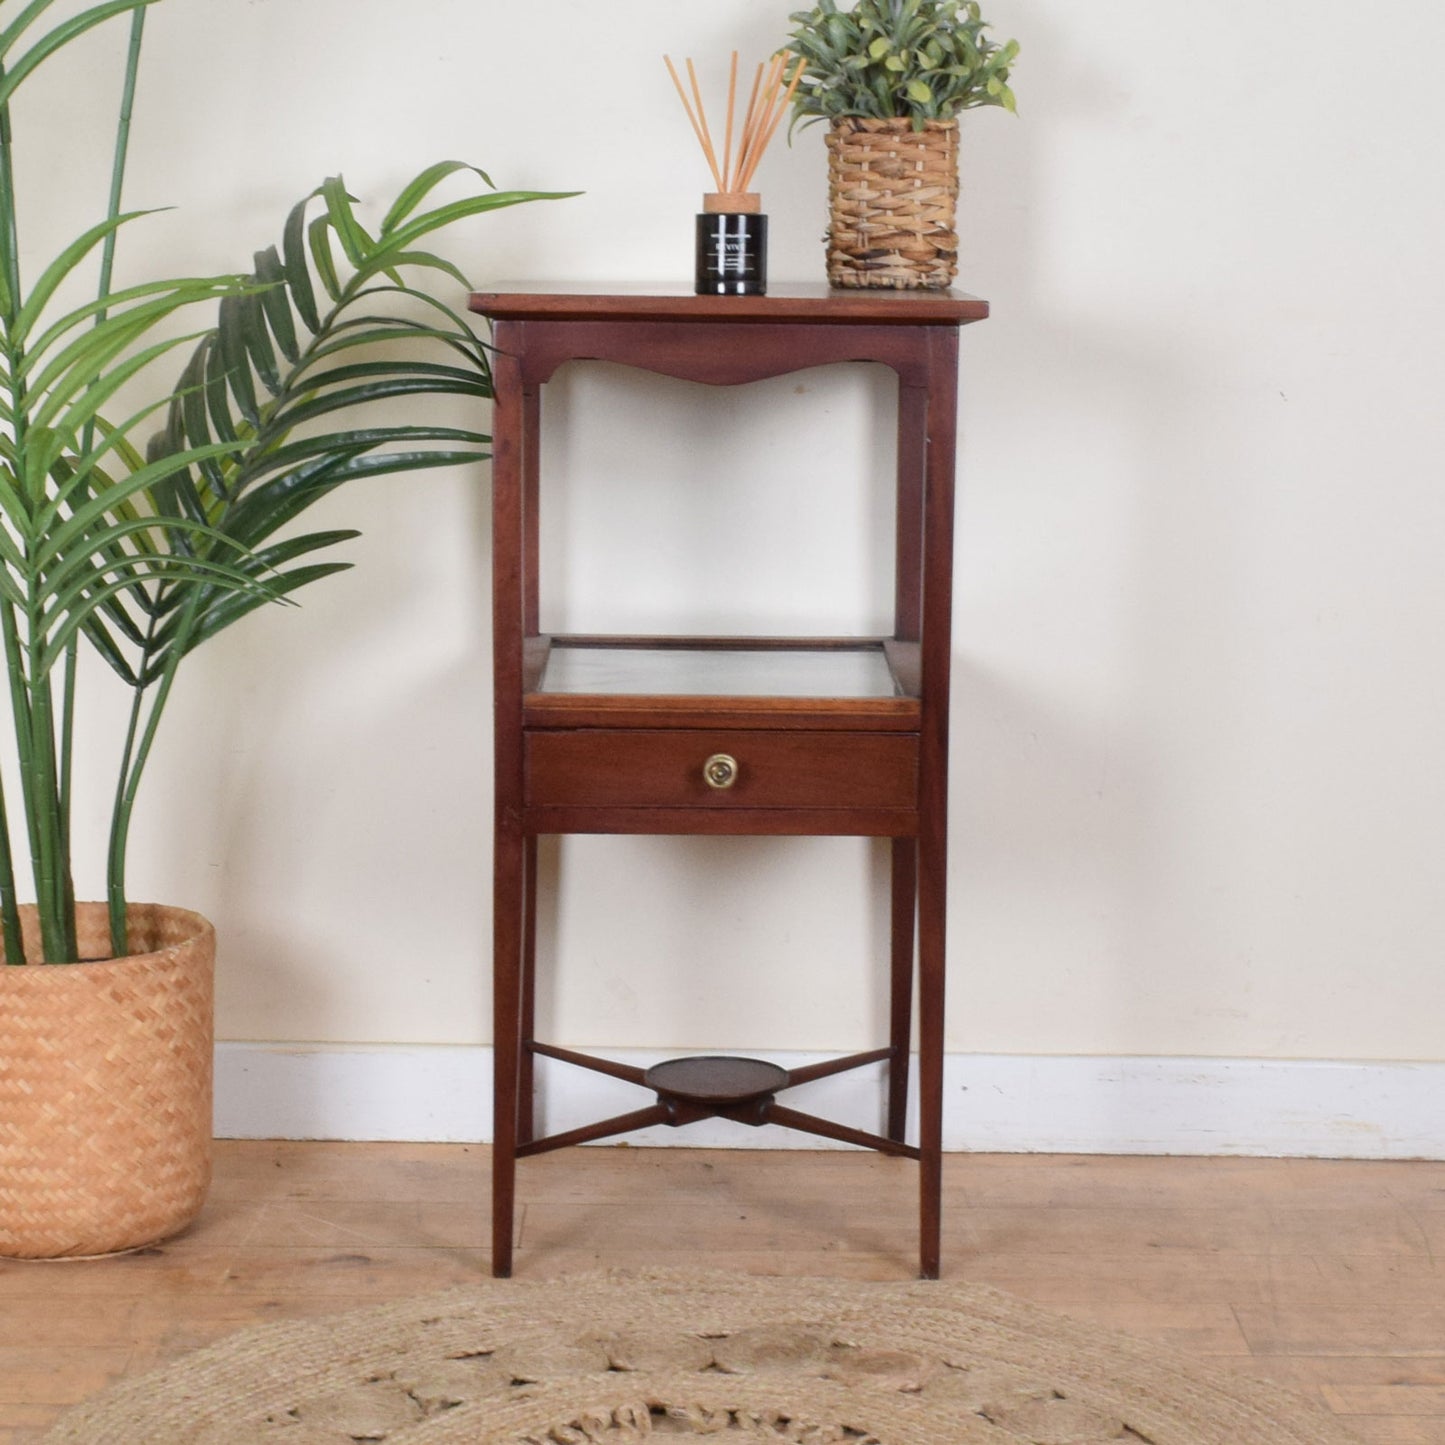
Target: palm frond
[(16, 71), (270, 366), (150, 551)]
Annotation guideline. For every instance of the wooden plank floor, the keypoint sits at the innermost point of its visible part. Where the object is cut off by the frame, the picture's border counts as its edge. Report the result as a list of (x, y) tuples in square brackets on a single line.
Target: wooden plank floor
[(1322, 1275)]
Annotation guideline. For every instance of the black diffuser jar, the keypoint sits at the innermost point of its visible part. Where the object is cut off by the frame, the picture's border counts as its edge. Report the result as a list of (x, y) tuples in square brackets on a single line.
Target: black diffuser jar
[(732, 249)]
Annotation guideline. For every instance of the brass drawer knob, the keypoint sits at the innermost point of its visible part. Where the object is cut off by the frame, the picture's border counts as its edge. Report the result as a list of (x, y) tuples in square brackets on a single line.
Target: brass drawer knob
[(720, 771)]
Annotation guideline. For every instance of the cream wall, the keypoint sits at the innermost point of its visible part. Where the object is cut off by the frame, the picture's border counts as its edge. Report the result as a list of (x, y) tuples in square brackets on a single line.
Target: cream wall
[(1197, 804)]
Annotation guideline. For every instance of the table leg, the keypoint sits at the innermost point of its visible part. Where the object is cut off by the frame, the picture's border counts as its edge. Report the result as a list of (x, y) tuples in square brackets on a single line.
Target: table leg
[(526, 1073), (936, 652), (509, 591), (930, 1055), (900, 1011), (506, 1037)]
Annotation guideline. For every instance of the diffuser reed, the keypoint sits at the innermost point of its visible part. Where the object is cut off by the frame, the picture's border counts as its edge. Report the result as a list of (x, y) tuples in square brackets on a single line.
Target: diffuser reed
[(732, 231)]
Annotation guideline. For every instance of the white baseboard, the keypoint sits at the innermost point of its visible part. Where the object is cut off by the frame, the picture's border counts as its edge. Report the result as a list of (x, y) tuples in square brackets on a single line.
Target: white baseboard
[(992, 1103)]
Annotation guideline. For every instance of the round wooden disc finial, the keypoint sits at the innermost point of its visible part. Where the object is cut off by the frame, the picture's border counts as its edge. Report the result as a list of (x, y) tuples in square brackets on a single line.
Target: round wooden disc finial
[(715, 1079), (732, 203)]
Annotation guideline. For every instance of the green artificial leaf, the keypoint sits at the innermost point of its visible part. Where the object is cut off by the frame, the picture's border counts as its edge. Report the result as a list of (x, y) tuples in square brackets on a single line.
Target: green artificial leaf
[(190, 396), (251, 314), (354, 241), (218, 403), (10, 36), (14, 75), (59, 269), (74, 397), (231, 343), (110, 335), (319, 235), (358, 439), (272, 274), (280, 500), (417, 191), (424, 383), (85, 475), (188, 292), (876, 59), (233, 605), (402, 237), (80, 604), (389, 264), (58, 538), (70, 573), (100, 638), (298, 276)]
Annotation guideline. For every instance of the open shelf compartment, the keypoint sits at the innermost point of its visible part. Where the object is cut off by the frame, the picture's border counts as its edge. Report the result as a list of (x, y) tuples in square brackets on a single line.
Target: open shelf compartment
[(574, 681)]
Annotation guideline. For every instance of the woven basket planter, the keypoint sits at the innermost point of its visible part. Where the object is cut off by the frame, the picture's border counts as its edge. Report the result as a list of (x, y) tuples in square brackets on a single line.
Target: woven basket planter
[(892, 199), (105, 1088)]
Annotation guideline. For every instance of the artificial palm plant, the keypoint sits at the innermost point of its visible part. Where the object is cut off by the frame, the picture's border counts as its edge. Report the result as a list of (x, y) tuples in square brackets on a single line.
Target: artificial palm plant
[(144, 549)]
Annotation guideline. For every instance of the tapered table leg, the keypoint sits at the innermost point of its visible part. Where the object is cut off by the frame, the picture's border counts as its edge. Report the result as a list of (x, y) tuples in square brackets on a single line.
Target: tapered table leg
[(941, 421), (506, 1041), (932, 864), (900, 1011), (509, 445), (526, 1072)]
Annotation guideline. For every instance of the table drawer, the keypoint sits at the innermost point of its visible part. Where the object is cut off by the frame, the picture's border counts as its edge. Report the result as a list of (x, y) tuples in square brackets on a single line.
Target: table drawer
[(664, 768)]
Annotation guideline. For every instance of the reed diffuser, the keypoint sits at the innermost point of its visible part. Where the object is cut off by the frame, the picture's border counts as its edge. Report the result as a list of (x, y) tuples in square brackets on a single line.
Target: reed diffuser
[(732, 231)]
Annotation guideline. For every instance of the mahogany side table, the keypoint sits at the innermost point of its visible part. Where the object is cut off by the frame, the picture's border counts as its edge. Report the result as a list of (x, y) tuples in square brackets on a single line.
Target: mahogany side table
[(726, 735)]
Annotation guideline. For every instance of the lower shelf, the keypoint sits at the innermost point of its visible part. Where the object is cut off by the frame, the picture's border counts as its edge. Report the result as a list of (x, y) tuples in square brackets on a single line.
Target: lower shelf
[(710, 1086)]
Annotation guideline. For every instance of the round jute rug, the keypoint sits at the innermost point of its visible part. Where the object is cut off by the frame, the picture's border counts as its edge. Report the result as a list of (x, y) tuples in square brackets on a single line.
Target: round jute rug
[(606, 1359)]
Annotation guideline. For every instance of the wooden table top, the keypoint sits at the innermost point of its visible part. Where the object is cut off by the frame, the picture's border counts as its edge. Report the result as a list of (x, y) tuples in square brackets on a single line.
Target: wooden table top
[(786, 301)]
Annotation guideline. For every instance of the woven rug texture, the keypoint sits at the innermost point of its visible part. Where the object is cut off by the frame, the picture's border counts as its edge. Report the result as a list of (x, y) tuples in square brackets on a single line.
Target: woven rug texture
[(608, 1359)]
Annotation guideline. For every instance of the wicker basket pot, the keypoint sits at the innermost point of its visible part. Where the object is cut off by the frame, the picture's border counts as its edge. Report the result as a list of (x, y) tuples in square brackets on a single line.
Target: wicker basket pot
[(105, 1087), (892, 199)]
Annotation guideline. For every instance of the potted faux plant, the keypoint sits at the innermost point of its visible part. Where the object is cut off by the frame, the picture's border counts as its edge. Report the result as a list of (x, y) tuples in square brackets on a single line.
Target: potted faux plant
[(890, 77), (142, 551)]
